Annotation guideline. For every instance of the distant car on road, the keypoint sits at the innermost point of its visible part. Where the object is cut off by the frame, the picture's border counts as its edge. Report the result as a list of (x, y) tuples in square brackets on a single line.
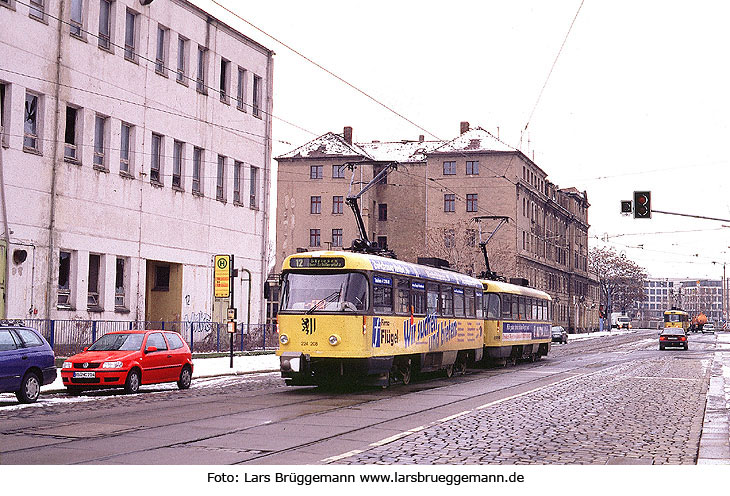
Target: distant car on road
[(26, 361), (559, 335), (708, 328), (129, 359), (673, 337)]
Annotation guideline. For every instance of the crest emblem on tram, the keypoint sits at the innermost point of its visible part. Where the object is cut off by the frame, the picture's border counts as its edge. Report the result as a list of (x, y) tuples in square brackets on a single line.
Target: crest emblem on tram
[(308, 326)]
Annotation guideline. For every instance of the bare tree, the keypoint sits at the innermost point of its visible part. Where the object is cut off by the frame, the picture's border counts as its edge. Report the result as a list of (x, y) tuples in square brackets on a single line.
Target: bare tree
[(621, 280)]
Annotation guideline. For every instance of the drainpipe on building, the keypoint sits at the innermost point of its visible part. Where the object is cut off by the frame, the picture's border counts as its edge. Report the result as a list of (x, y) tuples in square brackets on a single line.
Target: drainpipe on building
[(7, 233)]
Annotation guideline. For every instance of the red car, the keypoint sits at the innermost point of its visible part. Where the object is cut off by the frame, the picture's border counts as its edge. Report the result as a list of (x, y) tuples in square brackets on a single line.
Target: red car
[(129, 359)]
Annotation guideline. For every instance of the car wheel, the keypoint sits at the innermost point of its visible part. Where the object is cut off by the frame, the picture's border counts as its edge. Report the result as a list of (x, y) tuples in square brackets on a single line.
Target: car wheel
[(30, 388), (131, 385), (565, 340), (186, 377)]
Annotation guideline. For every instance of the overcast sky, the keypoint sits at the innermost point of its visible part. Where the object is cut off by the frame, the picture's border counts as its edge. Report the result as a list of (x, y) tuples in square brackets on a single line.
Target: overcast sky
[(638, 98)]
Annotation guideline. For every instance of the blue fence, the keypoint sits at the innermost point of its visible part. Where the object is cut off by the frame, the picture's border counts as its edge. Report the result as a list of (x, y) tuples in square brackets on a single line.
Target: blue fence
[(68, 337)]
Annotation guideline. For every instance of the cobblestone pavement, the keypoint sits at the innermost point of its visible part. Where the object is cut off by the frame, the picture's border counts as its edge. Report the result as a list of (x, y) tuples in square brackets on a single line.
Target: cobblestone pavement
[(646, 411)]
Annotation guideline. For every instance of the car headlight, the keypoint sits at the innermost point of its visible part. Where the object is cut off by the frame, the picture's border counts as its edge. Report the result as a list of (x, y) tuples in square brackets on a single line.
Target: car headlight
[(67, 365), (334, 340), (112, 365), (283, 339)]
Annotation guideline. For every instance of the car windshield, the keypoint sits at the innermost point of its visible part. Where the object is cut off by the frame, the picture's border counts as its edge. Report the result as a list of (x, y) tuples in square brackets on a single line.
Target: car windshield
[(344, 292), (122, 342)]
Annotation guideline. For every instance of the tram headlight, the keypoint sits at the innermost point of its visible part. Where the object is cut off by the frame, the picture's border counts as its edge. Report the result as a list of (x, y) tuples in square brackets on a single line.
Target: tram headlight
[(334, 340), (283, 339)]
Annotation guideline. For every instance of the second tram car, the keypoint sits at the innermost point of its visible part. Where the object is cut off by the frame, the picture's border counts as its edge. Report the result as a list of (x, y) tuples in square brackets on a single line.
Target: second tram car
[(676, 318)]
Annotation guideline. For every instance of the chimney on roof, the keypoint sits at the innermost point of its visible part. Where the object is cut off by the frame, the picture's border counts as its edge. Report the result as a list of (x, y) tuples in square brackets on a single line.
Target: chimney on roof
[(464, 127), (347, 134), (421, 138)]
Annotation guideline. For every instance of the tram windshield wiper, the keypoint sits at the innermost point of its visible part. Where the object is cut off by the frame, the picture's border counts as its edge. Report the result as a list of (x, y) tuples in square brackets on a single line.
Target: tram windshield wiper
[(334, 295)]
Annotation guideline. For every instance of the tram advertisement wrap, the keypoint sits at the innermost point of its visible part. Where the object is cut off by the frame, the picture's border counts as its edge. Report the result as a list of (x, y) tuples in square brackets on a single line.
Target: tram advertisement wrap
[(525, 331), (421, 335)]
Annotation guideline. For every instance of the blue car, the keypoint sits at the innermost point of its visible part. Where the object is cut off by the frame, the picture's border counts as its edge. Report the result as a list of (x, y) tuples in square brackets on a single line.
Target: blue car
[(26, 361)]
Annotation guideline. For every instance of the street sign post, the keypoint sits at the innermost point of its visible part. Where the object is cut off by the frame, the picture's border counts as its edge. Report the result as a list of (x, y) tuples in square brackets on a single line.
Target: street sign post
[(222, 276)]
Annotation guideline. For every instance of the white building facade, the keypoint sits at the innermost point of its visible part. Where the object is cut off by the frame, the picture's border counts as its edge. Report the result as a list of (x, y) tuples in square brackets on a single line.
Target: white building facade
[(136, 145)]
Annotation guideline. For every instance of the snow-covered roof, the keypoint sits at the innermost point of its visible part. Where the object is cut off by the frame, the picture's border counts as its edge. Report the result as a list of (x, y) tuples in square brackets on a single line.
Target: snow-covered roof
[(474, 140), (327, 145), (400, 151)]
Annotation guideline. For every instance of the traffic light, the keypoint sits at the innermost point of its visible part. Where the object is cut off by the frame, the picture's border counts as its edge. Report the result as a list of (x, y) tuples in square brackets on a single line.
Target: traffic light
[(642, 204), (626, 206)]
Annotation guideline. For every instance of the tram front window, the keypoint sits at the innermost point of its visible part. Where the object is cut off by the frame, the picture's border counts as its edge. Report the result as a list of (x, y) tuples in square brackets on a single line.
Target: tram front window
[(324, 292), (672, 318)]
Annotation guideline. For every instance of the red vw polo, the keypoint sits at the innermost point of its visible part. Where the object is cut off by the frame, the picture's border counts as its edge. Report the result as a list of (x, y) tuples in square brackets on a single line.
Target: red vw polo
[(129, 359)]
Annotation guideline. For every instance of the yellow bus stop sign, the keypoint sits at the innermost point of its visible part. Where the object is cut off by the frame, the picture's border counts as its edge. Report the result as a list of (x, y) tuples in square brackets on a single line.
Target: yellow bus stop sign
[(222, 276)]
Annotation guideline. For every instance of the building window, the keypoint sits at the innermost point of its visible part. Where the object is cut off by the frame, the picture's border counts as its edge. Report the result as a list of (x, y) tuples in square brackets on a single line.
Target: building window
[(120, 284), (237, 177), (449, 168), (161, 54), (38, 10), (449, 202), (4, 116), (31, 141), (336, 237), (472, 167), (197, 170), (241, 95), (382, 242), (256, 107), (338, 172), (337, 204), (201, 86), (125, 155), (224, 82), (130, 36), (254, 188), (105, 24), (92, 300), (471, 202), (100, 124), (64, 280), (178, 161), (383, 211), (182, 57), (77, 17), (71, 151), (156, 160), (220, 181), (449, 238), (316, 172), (315, 204), (314, 237), (162, 278)]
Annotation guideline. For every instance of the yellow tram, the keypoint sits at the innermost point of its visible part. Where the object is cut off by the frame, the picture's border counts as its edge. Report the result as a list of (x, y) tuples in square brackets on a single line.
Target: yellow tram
[(676, 318), (375, 320)]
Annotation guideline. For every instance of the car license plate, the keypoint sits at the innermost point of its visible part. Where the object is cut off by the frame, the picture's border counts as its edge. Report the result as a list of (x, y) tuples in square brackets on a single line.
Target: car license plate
[(85, 375)]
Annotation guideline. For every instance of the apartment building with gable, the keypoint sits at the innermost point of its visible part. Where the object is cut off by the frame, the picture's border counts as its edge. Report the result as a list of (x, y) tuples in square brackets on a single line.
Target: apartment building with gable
[(136, 143)]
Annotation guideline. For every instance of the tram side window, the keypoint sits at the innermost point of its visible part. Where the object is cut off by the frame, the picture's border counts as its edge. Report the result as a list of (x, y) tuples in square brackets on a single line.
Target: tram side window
[(382, 293), (469, 302), (515, 307), (403, 296), (545, 311), (522, 312), (447, 300), (479, 298), (506, 306), (458, 302), (357, 292), (432, 298), (493, 307), (540, 314), (535, 303), (418, 297)]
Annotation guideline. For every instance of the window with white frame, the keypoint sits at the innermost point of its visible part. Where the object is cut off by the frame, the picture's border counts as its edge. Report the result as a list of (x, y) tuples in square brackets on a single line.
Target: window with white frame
[(237, 179), (130, 36), (72, 133), (31, 122), (472, 167), (253, 188), (105, 24), (38, 10), (241, 95), (64, 280), (93, 300), (125, 148), (256, 106), (120, 284), (197, 170), (100, 129), (77, 18), (224, 79), (161, 52), (220, 179), (156, 160), (201, 85), (178, 164), (338, 172), (182, 60)]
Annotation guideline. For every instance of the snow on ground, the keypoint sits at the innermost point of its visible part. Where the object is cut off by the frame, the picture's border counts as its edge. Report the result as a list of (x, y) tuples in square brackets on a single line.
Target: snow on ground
[(590, 335)]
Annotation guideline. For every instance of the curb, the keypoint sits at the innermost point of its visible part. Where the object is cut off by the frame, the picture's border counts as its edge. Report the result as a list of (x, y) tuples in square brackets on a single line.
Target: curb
[(715, 437)]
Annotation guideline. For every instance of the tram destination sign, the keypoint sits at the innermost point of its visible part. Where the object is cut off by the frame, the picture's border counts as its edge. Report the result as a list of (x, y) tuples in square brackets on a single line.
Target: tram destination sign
[(317, 263)]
